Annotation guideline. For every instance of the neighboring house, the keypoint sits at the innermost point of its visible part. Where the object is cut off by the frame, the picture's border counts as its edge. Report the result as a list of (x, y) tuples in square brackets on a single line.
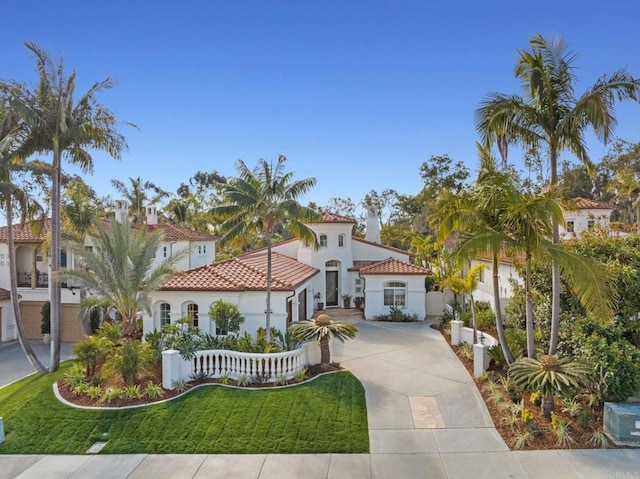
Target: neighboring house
[(302, 278), (33, 272), (587, 215), (7, 328)]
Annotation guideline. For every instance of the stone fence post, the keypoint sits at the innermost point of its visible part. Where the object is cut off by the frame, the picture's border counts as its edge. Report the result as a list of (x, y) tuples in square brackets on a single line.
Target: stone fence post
[(456, 330), (481, 359), (171, 370)]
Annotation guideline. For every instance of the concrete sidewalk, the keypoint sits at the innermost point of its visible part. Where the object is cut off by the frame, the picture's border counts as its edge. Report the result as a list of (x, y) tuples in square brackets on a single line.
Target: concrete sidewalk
[(426, 419)]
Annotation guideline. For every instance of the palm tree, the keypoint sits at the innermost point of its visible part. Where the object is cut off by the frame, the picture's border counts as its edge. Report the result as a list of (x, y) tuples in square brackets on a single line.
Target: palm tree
[(478, 216), (119, 271), (626, 185), (138, 196), (466, 286), (11, 133), (323, 329), (262, 201), (64, 127), (550, 114), (551, 376)]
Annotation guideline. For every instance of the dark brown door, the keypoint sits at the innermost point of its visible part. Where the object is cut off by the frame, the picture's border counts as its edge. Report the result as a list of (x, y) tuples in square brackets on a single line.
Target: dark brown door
[(302, 306), (332, 288)]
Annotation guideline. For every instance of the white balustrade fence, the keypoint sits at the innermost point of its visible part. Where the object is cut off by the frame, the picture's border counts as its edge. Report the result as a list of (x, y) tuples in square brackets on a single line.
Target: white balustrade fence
[(460, 334), (216, 363)]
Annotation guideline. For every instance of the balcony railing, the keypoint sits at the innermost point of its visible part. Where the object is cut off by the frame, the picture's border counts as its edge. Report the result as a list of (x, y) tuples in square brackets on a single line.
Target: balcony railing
[(24, 280)]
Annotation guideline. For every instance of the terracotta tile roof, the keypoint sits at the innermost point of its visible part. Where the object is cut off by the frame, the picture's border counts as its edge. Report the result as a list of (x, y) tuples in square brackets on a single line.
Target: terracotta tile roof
[(263, 249), (586, 204), (246, 273), (24, 234), (4, 294), (173, 232), (394, 266), (517, 259), (359, 264), (328, 217)]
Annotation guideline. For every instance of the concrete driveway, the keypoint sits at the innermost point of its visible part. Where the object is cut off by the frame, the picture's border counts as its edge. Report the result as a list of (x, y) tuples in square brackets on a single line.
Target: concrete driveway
[(15, 365)]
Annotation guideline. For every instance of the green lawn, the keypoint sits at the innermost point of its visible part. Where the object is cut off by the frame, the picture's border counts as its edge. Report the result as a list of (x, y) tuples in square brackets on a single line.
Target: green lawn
[(326, 415)]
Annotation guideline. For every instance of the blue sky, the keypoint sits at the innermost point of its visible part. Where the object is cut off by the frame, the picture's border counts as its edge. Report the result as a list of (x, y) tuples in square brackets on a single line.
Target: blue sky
[(357, 94)]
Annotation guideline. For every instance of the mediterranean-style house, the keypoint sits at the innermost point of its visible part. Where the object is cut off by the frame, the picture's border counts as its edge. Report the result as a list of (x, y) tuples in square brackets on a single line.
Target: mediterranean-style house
[(587, 215), (303, 280), (33, 272)]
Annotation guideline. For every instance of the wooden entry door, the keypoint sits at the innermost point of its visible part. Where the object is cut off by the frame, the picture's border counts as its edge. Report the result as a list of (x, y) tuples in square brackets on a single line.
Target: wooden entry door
[(302, 305), (332, 288)]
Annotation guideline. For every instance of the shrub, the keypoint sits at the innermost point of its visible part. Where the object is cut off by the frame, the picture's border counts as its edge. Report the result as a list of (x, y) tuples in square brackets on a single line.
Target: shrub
[(94, 392), (74, 376), (180, 385), (281, 379), (465, 351), (133, 392), (535, 398), (497, 355), (128, 360), (606, 347), (111, 394), (563, 436), (224, 379), (526, 415), (300, 375), (153, 391), (226, 316), (88, 352), (244, 380)]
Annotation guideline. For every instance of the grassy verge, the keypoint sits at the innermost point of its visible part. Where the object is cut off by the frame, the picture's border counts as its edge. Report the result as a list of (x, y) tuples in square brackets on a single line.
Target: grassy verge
[(327, 415)]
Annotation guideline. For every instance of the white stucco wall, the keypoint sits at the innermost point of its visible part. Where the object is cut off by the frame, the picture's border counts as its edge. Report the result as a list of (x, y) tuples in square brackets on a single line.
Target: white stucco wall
[(415, 299), (8, 331), (506, 273), (581, 218)]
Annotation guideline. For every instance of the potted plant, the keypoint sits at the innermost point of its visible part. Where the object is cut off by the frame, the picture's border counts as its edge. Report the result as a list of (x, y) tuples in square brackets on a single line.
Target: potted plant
[(319, 303), (359, 302), (346, 299), (45, 322)]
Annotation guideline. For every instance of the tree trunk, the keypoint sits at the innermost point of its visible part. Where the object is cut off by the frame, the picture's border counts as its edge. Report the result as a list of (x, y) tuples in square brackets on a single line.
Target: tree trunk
[(548, 407), (54, 283), (555, 270), (325, 352), (508, 356), (22, 337), (531, 340), (473, 320), (268, 312)]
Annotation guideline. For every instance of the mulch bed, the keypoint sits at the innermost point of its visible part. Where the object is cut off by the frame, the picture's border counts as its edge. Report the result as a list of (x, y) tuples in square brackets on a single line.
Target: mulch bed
[(155, 375), (545, 437)]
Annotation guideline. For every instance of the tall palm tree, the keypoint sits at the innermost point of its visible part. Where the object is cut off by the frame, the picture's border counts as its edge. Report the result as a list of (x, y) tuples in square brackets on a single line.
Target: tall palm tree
[(67, 128), (323, 329), (626, 185), (478, 216), (261, 201), (549, 114), (466, 286), (119, 271), (138, 195), (11, 133)]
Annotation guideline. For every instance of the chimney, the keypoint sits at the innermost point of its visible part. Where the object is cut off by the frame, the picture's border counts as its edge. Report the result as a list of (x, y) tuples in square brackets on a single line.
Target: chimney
[(122, 212), (152, 215), (372, 232)]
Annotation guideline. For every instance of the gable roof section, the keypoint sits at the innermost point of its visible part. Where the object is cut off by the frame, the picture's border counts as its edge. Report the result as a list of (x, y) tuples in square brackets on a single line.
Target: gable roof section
[(390, 248), (4, 294), (246, 273), (328, 217), (586, 204), (22, 233), (173, 232), (394, 266)]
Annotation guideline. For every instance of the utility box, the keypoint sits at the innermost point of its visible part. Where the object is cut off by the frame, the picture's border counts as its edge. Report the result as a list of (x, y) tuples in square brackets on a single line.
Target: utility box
[(622, 423), (1, 430)]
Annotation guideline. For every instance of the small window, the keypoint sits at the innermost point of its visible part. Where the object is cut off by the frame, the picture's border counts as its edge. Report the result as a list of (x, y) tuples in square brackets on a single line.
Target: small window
[(395, 294), (570, 226), (204, 249), (192, 314), (39, 258), (323, 241), (481, 277), (341, 240), (331, 264), (358, 281), (164, 251), (358, 289), (165, 314), (591, 224)]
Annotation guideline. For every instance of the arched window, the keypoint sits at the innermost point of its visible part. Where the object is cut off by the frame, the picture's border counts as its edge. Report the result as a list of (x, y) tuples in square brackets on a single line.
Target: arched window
[(341, 240), (395, 294), (323, 240), (192, 314), (332, 263), (165, 314)]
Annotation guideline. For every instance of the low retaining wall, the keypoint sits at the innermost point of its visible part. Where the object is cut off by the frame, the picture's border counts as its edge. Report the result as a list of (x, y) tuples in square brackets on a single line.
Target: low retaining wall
[(460, 334), (217, 363)]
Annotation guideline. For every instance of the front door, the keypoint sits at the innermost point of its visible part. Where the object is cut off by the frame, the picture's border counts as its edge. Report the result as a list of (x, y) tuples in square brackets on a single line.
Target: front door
[(332, 288)]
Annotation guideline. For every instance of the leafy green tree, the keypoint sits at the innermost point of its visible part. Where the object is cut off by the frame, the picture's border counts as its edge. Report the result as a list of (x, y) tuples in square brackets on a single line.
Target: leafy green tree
[(260, 201), (549, 113), (227, 316), (323, 329), (626, 186), (119, 271), (69, 128), (466, 286), (551, 376)]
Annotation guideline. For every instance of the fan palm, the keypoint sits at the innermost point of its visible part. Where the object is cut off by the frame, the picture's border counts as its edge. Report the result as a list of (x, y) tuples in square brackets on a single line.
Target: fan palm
[(323, 329), (119, 271), (551, 376), (261, 201), (62, 126), (550, 114)]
